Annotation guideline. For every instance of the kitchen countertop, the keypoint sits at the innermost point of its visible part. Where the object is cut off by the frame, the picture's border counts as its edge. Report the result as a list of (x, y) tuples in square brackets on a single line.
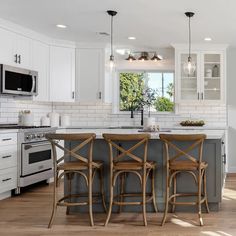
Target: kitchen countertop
[(2, 131), (211, 134)]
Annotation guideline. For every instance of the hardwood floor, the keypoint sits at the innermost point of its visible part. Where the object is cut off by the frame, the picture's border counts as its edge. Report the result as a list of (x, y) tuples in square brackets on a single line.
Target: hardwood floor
[(29, 213)]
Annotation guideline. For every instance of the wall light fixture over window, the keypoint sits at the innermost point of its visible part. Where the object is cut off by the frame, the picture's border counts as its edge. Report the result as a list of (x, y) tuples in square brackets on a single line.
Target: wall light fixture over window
[(144, 56)]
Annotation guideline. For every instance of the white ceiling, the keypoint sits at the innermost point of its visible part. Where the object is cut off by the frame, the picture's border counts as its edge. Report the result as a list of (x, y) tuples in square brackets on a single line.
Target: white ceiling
[(155, 23)]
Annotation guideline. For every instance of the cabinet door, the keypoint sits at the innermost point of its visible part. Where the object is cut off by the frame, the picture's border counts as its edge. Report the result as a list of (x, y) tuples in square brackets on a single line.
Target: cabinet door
[(6, 47), (189, 83), (23, 50), (62, 74), (212, 74), (89, 64), (40, 63)]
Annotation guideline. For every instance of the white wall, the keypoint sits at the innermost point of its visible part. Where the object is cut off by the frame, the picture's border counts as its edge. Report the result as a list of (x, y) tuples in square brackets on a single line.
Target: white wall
[(231, 103)]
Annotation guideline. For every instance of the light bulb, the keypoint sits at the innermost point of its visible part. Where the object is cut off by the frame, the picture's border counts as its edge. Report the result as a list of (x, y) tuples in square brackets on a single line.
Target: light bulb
[(189, 67)]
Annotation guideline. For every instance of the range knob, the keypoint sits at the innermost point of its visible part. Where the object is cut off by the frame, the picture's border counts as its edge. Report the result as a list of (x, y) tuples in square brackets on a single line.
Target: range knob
[(28, 137)]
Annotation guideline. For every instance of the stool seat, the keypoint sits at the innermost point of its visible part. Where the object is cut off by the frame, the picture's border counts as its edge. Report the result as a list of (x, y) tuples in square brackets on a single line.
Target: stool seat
[(133, 165), (73, 166), (187, 165)]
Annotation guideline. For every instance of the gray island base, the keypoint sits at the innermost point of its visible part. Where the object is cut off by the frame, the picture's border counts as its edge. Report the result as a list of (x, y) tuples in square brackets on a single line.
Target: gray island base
[(213, 154)]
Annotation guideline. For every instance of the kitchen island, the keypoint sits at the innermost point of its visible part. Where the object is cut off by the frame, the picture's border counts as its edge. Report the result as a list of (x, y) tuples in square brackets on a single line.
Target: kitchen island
[(213, 154)]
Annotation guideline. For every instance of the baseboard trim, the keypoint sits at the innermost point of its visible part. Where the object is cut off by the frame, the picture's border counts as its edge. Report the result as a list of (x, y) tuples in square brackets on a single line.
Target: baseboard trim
[(231, 170)]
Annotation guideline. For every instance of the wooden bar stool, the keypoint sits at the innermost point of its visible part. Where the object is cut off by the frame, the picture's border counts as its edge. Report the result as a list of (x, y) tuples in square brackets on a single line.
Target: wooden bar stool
[(75, 163), (184, 154), (124, 161)]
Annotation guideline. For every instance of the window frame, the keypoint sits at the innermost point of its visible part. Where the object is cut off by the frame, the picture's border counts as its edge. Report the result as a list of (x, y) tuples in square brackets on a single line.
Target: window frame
[(116, 90)]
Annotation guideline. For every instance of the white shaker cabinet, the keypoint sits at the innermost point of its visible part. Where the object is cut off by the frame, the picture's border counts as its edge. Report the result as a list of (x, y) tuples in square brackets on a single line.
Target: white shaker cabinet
[(62, 74), (89, 74), (6, 47), (40, 63), (15, 49), (23, 51), (8, 161)]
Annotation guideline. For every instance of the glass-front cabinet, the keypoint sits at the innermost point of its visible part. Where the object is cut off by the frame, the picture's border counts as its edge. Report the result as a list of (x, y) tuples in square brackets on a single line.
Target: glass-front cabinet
[(189, 82), (207, 82)]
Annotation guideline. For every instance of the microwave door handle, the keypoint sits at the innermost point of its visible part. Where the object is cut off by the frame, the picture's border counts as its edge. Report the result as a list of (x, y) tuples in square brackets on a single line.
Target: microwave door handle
[(33, 84)]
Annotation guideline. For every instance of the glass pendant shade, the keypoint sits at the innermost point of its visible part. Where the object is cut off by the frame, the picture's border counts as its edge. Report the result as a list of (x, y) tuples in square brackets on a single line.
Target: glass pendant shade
[(111, 63), (189, 67)]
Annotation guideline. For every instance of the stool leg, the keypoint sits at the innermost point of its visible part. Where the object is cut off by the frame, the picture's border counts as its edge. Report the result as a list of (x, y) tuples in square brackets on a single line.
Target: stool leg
[(199, 198), (166, 200), (90, 181), (69, 190), (122, 190), (153, 191), (174, 192), (102, 189), (144, 197), (205, 193), (54, 202), (111, 201)]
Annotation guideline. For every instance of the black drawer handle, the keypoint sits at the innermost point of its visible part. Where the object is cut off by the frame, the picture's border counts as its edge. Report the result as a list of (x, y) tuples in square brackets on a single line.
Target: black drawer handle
[(6, 139), (5, 180), (4, 157)]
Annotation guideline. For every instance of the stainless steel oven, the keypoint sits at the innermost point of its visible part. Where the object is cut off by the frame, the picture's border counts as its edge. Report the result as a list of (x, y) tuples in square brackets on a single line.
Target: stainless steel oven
[(36, 157)]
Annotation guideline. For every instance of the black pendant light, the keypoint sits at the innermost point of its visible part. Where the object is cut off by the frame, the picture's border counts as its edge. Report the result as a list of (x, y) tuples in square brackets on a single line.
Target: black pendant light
[(111, 13), (189, 66)]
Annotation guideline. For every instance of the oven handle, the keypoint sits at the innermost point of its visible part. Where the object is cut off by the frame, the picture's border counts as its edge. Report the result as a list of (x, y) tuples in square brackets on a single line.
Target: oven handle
[(28, 146)]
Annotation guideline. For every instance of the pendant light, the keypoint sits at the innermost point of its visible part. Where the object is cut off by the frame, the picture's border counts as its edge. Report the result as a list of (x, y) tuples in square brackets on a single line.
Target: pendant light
[(155, 57), (189, 66), (111, 13)]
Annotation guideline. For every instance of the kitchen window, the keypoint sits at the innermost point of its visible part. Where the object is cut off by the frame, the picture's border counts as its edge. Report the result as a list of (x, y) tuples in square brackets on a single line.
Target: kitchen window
[(151, 90)]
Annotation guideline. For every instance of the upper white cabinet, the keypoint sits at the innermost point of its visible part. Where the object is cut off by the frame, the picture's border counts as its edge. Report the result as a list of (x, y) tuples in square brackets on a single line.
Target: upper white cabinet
[(23, 51), (89, 74), (15, 49), (62, 74), (6, 47), (207, 83), (40, 63)]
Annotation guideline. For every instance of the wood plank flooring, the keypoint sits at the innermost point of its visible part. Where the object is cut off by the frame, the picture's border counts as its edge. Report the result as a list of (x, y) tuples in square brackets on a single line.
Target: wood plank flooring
[(29, 213)]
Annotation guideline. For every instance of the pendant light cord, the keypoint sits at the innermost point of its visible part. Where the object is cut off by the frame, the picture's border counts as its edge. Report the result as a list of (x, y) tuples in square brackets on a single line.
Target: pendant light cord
[(189, 38), (111, 35)]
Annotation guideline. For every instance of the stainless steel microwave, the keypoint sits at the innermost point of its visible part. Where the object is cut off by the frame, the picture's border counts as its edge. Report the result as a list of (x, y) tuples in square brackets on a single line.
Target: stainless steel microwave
[(18, 81)]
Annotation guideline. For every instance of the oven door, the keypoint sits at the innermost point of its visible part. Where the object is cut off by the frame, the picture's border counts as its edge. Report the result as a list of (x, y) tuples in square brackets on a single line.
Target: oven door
[(35, 157)]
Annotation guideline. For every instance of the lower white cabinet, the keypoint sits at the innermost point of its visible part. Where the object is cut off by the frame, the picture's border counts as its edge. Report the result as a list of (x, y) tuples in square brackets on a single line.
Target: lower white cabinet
[(62, 74), (8, 179), (8, 161)]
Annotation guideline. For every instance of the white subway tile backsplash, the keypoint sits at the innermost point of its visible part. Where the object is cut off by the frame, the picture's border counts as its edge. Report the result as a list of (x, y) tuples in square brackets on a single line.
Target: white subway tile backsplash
[(100, 114)]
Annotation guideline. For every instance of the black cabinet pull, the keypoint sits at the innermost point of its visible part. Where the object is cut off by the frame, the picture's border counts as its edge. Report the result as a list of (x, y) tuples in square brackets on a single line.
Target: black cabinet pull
[(198, 97), (5, 180), (4, 157), (19, 59), (100, 95), (6, 139), (73, 95), (202, 96), (16, 56)]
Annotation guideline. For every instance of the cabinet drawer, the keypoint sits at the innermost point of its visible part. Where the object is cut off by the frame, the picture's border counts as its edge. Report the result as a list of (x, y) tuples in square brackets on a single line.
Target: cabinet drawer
[(8, 158), (8, 179), (8, 139)]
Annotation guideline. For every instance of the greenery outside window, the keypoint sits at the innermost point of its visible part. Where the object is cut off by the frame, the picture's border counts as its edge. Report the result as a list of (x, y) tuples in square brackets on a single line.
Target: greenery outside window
[(152, 90)]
